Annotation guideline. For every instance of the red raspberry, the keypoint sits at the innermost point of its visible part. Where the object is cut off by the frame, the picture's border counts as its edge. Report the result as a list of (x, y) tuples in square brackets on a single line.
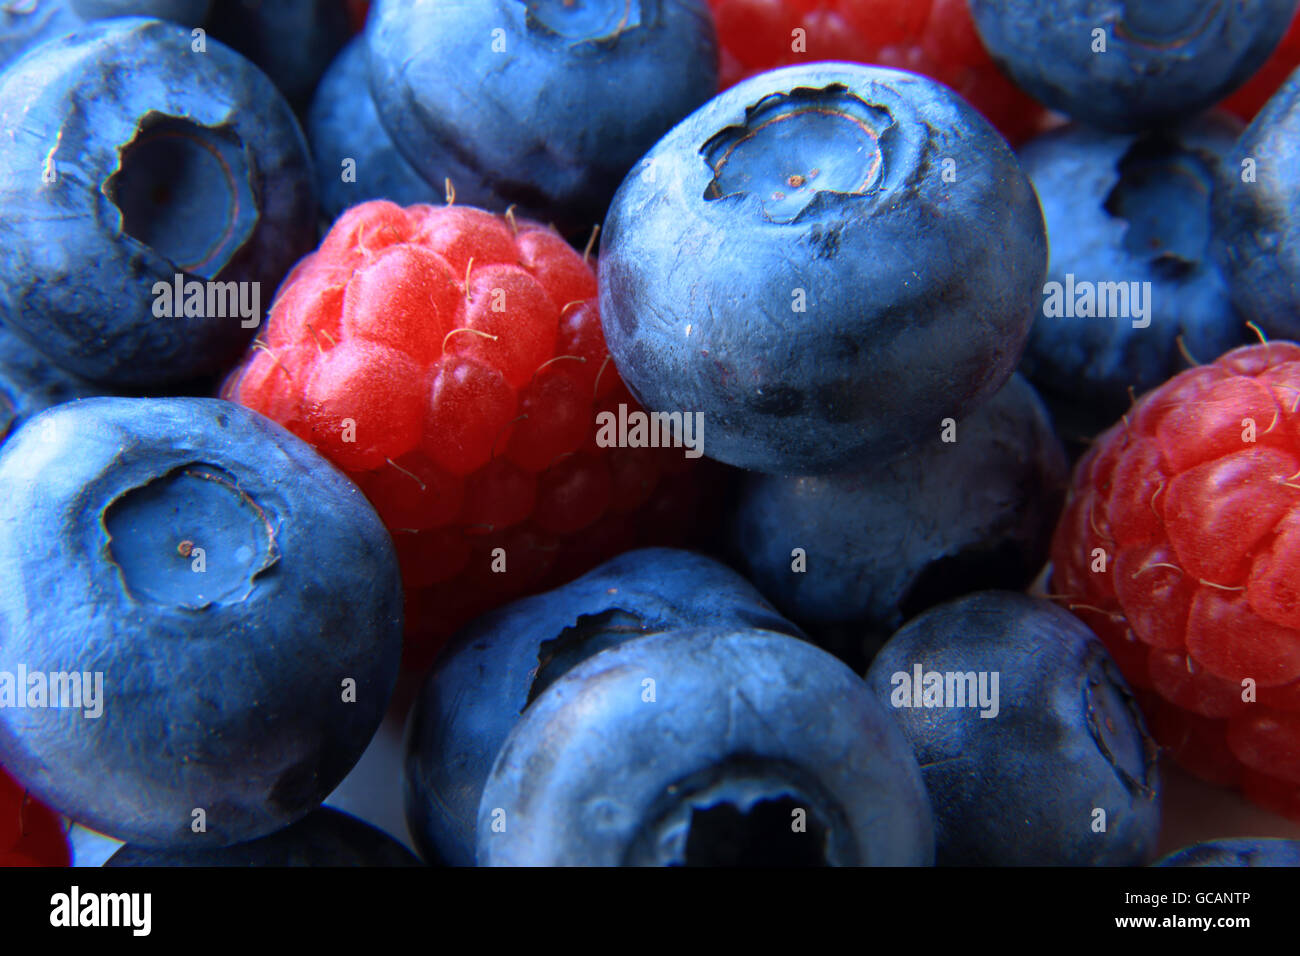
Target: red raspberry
[(31, 834), (452, 363), (357, 11), (1250, 98), (1180, 546), (934, 37)]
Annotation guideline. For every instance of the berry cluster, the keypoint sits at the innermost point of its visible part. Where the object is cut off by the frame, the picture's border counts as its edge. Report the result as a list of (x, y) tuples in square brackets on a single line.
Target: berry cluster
[(839, 248)]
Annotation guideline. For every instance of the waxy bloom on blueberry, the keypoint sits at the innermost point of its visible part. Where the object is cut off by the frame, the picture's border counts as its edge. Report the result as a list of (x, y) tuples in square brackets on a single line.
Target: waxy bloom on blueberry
[(990, 490), (235, 599), (1132, 289), (716, 746), (1256, 226), (494, 668), (1130, 64), (111, 183), (544, 104), (825, 261), (30, 383), (356, 159), (1054, 768)]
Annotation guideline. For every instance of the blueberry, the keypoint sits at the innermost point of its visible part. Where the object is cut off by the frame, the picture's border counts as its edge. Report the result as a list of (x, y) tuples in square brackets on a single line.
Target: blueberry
[(238, 595), (1130, 64), (1029, 739), (701, 747), (342, 125), (543, 104), (293, 41), (189, 12), (493, 669), (1130, 270), (1257, 231), (132, 158), (29, 383), (324, 837), (805, 261), (28, 23), (871, 548), (1238, 852), (31, 23)]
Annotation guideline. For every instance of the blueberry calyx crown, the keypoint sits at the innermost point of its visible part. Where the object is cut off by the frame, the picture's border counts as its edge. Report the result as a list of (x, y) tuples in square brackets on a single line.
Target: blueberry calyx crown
[(1165, 24), (1163, 195), (184, 190), (795, 147), (582, 639), (745, 811), (1109, 709), (588, 21), (190, 538)]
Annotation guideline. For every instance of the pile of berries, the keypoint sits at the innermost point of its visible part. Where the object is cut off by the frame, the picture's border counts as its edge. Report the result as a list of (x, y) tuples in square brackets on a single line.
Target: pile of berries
[(276, 421)]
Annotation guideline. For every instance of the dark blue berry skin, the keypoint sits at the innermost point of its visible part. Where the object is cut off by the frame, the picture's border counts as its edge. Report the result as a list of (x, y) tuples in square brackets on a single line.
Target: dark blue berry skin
[(222, 690), (292, 41), (1164, 60), (23, 26), (1239, 852), (31, 22), (325, 837), (188, 12), (1129, 208), (165, 160), (493, 669), (342, 124), (30, 383), (707, 765), (1257, 231), (886, 543), (823, 326), (561, 99), (1021, 788)]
